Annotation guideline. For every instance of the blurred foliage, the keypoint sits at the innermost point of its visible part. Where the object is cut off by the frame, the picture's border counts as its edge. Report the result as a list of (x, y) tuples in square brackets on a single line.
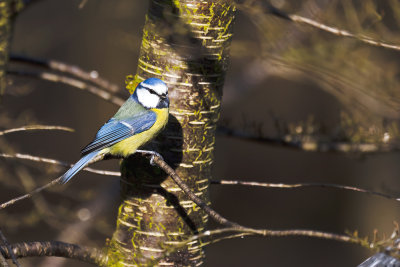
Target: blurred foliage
[(365, 79)]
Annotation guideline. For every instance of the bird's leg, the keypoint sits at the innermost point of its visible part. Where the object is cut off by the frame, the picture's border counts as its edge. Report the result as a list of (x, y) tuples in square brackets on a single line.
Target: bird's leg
[(152, 153)]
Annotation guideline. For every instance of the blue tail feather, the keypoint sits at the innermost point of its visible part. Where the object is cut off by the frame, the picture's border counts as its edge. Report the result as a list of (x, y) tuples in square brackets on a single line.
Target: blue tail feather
[(78, 166)]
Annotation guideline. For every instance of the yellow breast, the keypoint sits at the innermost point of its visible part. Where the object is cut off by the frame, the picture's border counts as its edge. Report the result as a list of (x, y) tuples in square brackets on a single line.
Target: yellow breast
[(128, 146)]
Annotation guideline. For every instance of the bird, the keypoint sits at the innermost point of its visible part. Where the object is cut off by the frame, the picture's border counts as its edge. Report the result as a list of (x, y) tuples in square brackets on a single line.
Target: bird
[(143, 115)]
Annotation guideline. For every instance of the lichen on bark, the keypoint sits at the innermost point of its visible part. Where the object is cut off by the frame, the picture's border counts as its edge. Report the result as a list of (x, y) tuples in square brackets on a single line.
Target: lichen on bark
[(8, 10), (186, 44), (5, 33)]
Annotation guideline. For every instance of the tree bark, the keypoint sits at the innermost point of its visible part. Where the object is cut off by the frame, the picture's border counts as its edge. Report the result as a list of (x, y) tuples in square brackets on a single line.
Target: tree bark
[(186, 44), (5, 34), (8, 9)]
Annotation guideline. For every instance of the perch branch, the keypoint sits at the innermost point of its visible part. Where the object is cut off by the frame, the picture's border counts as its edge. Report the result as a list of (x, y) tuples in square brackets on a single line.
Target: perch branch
[(198, 201)]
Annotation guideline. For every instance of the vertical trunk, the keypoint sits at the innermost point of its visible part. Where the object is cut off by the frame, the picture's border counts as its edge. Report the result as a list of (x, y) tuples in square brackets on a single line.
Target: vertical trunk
[(8, 8), (185, 43), (5, 33)]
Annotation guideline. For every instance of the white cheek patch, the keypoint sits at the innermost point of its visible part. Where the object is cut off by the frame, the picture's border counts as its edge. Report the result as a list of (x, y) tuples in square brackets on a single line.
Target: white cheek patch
[(147, 99)]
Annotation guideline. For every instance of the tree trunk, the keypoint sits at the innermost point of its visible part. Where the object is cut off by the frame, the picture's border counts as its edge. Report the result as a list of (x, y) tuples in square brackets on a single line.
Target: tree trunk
[(8, 10), (5, 33), (186, 44)]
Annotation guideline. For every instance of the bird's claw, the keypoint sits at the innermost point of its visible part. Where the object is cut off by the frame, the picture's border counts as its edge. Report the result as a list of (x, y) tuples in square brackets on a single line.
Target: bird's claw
[(152, 161), (153, 155)]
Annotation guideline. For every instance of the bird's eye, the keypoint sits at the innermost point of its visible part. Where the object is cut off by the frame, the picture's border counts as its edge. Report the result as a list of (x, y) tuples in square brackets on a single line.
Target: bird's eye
[(151, 91)]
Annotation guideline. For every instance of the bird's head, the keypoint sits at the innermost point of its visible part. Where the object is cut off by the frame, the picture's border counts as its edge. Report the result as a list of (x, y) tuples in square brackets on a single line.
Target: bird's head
[(152, 93)]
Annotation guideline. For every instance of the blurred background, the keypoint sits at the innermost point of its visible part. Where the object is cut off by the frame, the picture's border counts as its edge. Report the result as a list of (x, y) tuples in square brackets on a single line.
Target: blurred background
[(286, 81)]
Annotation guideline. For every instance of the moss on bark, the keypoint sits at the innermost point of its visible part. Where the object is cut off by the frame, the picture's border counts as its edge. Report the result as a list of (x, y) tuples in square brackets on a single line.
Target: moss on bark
[(8, 9)]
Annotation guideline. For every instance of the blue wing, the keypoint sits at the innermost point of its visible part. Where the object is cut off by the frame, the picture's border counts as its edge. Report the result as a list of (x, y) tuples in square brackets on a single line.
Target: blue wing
[(116, 130)]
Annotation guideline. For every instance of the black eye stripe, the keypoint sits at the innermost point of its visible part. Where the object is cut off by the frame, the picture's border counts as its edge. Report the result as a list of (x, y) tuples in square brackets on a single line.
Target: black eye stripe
[(151, 91)]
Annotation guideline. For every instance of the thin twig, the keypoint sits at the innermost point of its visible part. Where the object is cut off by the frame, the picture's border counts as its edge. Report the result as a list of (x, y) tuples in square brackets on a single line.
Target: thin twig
[(9, 250), (198, 201), (72, 82), (303, 185), (36, 127), (269, 233), (360, 37), (213, 236), (92, 76), (50, 184), (40, 202), (333, 30), (56, 162), (57, 249), (310, 143), (29, 195)]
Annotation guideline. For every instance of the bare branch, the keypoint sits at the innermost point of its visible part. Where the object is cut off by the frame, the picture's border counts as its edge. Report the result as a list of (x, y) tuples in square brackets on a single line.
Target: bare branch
[(217, 235), (57, 249), (9, 250), (239, 232), (56, 162), (92, 76), (303, 185), (311, 143), (29, 195), (36, 127), (50, 184), (72, 82), (302, 20), (41, 205), (344, 33)]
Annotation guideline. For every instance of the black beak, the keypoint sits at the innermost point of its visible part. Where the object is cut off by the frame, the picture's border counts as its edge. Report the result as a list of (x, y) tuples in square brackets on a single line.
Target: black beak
[(164, 103)]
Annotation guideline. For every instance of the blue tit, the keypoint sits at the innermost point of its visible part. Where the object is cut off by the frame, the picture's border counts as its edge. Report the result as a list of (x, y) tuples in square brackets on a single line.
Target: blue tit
[(138, 121)]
